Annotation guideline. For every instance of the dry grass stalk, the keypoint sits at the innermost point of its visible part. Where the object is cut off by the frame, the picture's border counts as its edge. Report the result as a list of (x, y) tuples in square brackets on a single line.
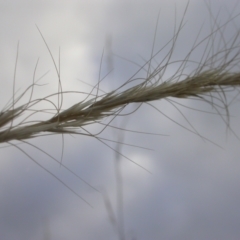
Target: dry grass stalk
[(214, 74), (93, 110)]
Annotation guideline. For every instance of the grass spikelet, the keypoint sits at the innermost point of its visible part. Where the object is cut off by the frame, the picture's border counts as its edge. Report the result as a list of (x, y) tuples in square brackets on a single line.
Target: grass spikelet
[(216, 73), (198, 85)]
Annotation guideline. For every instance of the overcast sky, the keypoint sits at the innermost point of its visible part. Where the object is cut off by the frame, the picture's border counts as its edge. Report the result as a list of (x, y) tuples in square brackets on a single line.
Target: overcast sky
[(193, 188)]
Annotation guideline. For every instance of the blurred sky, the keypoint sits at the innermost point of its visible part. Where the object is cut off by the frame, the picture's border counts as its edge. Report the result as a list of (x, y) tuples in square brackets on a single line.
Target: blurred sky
[(193, 189)]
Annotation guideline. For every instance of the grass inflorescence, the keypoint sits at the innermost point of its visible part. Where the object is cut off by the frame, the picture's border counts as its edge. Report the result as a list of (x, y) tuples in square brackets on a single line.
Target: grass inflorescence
[(217, 73)]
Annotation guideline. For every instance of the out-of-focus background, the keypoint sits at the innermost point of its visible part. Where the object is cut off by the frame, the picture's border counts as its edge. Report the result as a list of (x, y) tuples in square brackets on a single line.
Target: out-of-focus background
[(193, 189)]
